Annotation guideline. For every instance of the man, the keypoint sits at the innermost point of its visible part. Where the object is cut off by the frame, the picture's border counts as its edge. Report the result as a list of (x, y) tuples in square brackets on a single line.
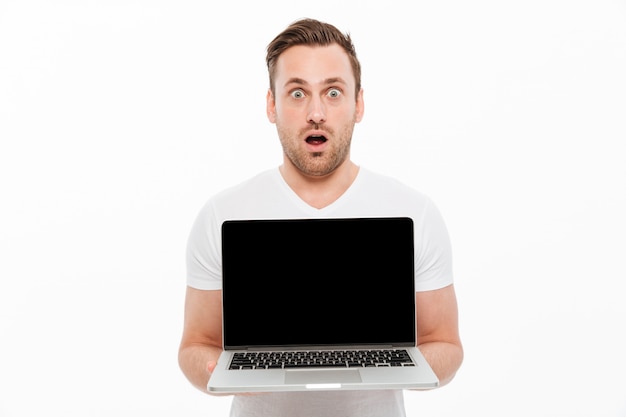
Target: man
[(315, 99)]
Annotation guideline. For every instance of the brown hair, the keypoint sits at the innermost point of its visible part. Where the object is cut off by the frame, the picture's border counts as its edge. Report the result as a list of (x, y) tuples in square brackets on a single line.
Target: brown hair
[(313, 33)]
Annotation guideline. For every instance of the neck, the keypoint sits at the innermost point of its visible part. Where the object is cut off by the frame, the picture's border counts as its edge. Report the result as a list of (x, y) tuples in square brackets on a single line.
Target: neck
[(320, 191)]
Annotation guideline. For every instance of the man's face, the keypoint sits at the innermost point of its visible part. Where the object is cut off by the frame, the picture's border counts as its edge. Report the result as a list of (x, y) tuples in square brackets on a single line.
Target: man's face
[(315, 107)]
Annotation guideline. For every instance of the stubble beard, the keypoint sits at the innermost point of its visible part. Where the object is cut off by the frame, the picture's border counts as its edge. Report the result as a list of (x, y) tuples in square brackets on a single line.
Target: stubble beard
[(317, 164)]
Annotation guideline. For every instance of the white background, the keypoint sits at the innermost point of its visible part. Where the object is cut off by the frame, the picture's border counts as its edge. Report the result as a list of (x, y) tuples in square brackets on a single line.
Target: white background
[(118, 119)]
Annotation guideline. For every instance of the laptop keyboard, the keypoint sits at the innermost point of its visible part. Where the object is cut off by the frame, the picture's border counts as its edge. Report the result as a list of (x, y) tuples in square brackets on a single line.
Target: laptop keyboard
[(321, 359)]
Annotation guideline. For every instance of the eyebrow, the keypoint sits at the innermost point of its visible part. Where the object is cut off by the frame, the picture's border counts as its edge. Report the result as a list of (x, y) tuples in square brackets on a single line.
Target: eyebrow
[(300, 81)]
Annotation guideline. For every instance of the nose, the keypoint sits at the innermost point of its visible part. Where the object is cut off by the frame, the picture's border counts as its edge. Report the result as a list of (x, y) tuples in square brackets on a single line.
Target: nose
[(317, 112)]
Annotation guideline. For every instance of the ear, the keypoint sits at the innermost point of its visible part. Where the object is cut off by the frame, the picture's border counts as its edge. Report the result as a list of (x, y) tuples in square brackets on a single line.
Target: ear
[(360, 106), (270, 106)]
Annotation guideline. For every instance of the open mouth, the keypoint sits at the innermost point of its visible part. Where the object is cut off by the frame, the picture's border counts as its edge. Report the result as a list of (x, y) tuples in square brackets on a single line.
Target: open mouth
[(315, 139)]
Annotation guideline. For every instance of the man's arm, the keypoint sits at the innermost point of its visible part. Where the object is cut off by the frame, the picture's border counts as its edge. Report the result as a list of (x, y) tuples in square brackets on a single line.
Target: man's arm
[(438, 331), (201, 342)]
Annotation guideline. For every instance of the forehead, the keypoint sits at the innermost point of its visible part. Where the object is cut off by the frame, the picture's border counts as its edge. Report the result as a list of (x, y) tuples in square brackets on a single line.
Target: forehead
[(313, 64)]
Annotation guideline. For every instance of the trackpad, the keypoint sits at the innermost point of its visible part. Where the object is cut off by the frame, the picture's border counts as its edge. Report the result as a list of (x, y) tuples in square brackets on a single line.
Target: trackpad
[(323, 377)]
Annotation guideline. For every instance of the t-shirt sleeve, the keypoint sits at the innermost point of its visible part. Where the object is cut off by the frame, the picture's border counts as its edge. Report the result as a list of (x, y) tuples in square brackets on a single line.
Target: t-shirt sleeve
[(203, 254), (433, 252)]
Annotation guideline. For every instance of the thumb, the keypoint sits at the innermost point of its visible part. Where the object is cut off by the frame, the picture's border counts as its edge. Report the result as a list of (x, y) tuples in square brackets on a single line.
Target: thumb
[(211, 366)]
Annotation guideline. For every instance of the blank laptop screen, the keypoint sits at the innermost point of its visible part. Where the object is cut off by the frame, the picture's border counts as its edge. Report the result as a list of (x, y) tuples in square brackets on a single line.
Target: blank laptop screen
[(318, 282)]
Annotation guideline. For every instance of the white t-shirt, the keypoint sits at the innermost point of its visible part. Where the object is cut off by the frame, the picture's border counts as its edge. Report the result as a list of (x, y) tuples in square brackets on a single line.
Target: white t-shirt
[(267, 196)]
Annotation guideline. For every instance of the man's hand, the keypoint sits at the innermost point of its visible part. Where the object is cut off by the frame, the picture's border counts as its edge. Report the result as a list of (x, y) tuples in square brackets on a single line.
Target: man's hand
[(202, 336)]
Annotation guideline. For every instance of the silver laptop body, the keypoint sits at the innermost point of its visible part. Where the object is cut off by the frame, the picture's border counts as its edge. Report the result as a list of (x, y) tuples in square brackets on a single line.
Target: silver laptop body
[(319, 304)]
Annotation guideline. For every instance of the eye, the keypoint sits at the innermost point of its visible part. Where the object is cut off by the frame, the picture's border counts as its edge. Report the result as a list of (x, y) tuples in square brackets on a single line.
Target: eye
[(297, 94), (334, 93)]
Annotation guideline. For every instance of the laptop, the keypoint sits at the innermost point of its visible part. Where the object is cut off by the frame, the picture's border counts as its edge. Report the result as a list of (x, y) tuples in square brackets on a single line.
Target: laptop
[(319, 304)]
